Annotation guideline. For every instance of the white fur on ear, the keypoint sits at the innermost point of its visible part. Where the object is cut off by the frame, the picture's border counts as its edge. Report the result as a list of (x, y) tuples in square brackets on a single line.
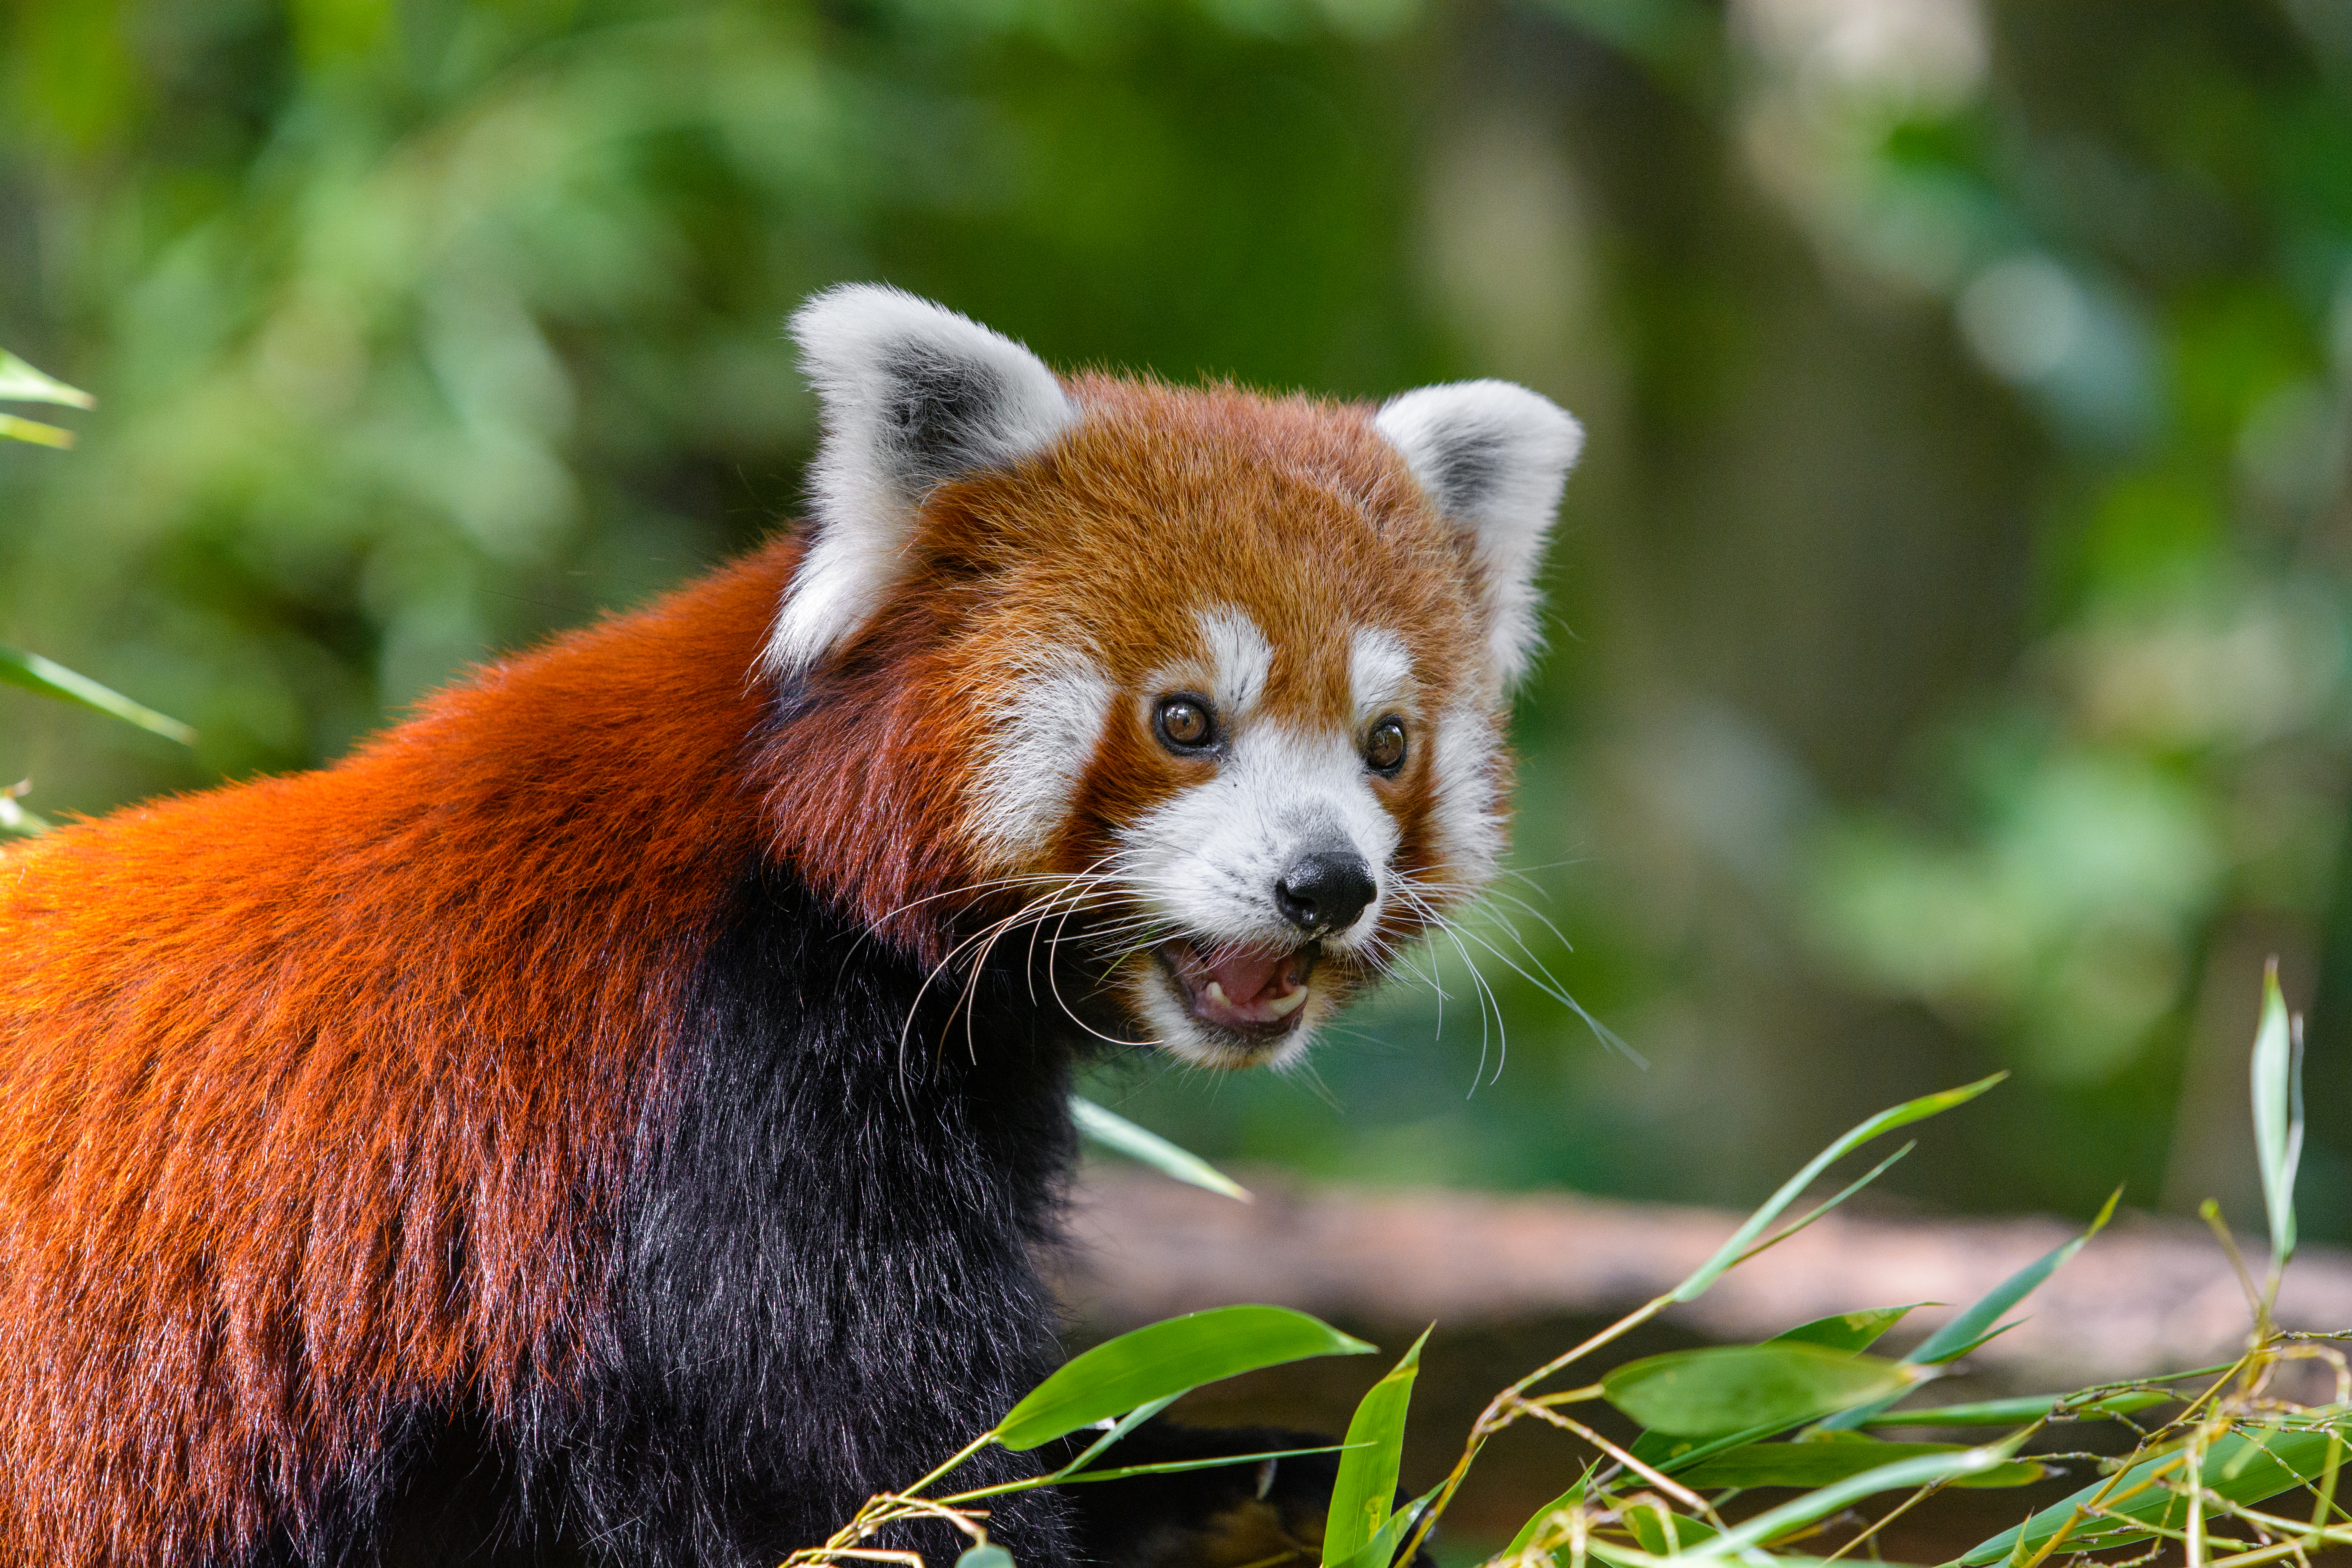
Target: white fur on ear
[(910, 395), (1493, 457)]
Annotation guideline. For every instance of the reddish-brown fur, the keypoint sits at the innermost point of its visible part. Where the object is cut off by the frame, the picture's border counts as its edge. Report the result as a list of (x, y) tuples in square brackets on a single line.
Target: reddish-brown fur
[(315, 1084)]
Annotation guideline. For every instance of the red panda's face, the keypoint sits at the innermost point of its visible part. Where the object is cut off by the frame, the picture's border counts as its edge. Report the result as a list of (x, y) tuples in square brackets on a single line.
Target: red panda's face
[(1214, 680)]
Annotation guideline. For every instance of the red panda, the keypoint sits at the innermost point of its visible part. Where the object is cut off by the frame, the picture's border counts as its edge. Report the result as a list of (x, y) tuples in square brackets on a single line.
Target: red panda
[(613, 1115)]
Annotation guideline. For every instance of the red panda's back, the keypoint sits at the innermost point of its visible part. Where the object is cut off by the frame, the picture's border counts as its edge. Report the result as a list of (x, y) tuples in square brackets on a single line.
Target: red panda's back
[(309, 1086)]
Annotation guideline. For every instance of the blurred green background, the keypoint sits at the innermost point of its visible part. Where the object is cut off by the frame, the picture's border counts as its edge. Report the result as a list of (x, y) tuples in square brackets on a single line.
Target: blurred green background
[(1950, 658)]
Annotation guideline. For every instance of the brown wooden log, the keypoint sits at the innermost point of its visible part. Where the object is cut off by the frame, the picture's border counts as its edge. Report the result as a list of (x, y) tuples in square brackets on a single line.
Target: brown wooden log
[(2150, 1295)]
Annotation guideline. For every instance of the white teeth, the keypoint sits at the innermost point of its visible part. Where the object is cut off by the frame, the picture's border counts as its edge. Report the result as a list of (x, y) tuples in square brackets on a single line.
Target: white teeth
[(1216, 994), (1284, 1005)]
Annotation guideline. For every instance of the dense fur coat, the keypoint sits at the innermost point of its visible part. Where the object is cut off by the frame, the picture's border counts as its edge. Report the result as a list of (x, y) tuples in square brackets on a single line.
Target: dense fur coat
[(614, 1115)]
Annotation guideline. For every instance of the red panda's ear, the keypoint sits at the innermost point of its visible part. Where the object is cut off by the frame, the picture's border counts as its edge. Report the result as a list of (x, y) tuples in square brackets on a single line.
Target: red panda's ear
[(1492, 456), (911, 394)]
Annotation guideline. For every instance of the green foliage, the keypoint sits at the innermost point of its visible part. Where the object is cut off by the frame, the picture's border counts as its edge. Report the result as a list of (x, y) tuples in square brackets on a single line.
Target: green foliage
[(1163, 1361), (2022, 1408), (2246, 1466), (1848, 1331), (2278, 1114), (1886, 1121), (1366, 1486), (49, 679), (1382, 1550), (20, 383), (1142, 1145), (1730, 1388), (1820, 1464), (2199, 1477)]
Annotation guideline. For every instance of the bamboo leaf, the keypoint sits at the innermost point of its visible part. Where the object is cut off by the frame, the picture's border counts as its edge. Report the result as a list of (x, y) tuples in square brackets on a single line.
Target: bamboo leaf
[(2278, 1113), (1884, 1122), (1365, 1491), (1850, 1331), (2244, 1467), (1381, 1551), (1571, 1498), (1971, 1327), (1980, 1322), (1822, 1464), (32, 430), (1142, 1145), (1899, 1476), (1662, 1532), (2015, 1412), (14, 818), (1707, 1393), (1116, 1430), (1164, 1359), (1165, 1468), (50, 678), (20, 383)]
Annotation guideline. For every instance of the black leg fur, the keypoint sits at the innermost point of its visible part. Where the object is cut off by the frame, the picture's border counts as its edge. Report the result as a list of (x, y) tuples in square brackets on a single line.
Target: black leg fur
[(825, 1284), (828, 1276)]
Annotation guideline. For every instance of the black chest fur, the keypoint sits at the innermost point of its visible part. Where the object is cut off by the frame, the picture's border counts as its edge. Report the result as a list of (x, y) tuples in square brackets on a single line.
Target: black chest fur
[(822, 1267)]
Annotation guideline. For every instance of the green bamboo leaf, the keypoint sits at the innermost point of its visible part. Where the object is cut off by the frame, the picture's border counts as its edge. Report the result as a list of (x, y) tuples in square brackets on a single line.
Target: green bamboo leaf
[(13, 428), (1365, 1491), (2278, 1111), (1663, 1532), (1849, 1332), (1116, 1430), (20, 383), (14, 818), (50, 678), (1164, 1359), (1981, 1322), (1671, 1455), (1884, 1122), (1382, 1550), (1166, 1467), (2244, 1467), (987, 1554), (1822, 1464), (1900, 1475), (1707, 1392), (1571, 1498), (1113, 1131), (1971, 1328), (2016, 1412)]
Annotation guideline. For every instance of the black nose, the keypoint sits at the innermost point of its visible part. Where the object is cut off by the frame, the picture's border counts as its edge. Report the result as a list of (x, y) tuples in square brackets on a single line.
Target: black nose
[(1324, 889)]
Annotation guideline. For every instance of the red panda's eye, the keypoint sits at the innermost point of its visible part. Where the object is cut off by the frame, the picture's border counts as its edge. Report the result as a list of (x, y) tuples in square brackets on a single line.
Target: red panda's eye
[(1384, 747), (1185, 723)]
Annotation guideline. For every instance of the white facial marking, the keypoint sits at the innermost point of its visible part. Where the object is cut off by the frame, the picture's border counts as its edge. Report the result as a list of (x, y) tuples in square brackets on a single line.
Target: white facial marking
[(1379, 666), (912, 394), (1241, 657), (1466, 817), (1038, 751), (1173, 1029), (1209, 856)]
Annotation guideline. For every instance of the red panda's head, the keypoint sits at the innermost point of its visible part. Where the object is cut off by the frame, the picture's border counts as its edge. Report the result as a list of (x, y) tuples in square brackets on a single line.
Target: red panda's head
[(1206, 684)]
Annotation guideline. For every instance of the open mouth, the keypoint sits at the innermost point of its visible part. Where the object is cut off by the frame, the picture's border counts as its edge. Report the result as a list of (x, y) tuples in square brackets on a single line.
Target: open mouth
[(1253, 991)]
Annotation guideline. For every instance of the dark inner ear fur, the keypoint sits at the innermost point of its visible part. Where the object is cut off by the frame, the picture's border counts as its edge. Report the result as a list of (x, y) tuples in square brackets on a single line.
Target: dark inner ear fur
[(1465, 464), (941, 415)]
